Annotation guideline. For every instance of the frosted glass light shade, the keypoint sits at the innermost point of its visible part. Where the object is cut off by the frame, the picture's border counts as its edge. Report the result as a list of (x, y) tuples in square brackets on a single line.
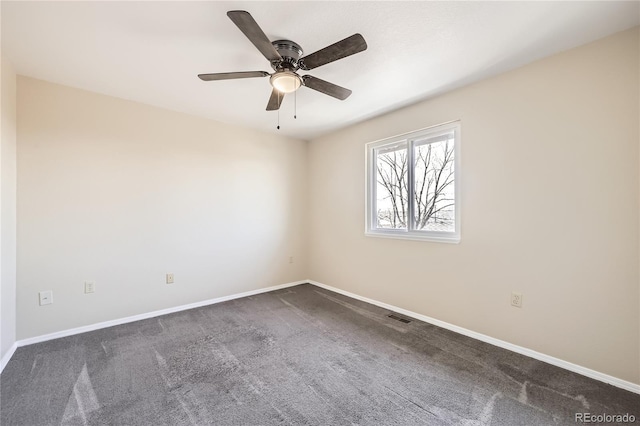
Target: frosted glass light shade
[(285, 81)]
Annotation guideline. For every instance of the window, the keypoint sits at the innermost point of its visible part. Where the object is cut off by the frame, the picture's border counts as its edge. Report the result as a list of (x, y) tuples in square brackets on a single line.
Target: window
[(413, 185)]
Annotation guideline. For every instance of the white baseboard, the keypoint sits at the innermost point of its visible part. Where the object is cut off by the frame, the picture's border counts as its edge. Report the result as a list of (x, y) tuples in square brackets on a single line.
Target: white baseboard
[(111, 323), (632, 387), (5, 359)]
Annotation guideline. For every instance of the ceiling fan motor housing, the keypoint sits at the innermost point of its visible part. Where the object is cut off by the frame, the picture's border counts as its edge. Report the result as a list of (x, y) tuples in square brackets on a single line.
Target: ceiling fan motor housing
[(290, 52)]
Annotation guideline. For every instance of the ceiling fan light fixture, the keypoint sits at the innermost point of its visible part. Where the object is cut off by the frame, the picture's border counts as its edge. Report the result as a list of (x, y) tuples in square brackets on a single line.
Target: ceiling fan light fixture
[(285, 81)]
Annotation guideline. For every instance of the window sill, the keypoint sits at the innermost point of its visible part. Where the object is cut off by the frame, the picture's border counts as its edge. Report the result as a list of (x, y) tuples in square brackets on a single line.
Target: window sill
[(449, 239)]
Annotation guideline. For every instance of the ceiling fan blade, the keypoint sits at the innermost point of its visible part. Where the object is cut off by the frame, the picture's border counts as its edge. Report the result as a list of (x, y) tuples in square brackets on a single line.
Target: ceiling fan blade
[(341, 49), (232, 75), (325, 87), (251, 29), (275, 100)]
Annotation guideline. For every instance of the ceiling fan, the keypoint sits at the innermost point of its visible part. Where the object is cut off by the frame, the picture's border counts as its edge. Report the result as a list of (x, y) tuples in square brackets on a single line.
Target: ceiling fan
[(286, 61)]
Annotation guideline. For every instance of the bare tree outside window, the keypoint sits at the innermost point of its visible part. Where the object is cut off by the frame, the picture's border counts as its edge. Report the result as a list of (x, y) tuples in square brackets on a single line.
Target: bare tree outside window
[(392, 206), (433, 199)]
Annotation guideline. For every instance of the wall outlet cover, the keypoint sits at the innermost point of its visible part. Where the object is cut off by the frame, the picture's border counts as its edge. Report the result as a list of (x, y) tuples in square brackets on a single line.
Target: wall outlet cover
[(516, 299)]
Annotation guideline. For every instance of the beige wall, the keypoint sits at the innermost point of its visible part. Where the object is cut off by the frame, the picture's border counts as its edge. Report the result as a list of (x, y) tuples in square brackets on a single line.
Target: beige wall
[(8, 209), (121, 193), (549, 209)]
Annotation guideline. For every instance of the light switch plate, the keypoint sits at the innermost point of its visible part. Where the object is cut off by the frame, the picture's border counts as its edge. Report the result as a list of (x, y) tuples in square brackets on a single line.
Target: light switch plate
[(46, 297)]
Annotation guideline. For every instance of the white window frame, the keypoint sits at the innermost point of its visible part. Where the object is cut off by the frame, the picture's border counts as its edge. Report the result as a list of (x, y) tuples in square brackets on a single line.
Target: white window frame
[(371, 217)]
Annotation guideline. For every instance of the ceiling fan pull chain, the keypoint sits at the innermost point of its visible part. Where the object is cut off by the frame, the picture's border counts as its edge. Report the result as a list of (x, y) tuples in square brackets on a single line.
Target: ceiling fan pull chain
[(295, 104), (278, 112)]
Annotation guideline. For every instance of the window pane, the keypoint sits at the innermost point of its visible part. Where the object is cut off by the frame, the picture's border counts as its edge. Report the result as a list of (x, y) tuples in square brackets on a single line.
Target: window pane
[(434, 191), (391, 189)]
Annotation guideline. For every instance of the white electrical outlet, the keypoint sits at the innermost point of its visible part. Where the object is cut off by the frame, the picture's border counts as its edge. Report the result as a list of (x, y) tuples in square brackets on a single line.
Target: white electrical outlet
[(169, 278), (290, 259), (89, 286), (46, 297), (516, 299)]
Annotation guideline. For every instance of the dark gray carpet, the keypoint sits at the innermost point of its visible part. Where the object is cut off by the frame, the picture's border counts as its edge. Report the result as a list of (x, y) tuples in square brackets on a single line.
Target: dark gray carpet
[(299, 356)]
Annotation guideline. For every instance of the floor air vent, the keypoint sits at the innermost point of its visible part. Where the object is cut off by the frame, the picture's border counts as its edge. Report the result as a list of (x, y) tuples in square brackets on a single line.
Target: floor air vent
[(397, 318)]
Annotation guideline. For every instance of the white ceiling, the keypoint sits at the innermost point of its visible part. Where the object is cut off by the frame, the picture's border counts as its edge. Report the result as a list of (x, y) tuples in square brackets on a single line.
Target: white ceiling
[(151, 51)]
